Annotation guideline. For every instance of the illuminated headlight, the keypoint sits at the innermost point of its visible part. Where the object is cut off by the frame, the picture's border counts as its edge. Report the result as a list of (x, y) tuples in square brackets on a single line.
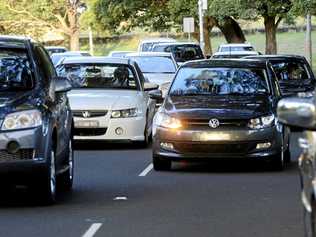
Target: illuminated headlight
[(125, 113), (166, 121), (21, 120), (262, 122)]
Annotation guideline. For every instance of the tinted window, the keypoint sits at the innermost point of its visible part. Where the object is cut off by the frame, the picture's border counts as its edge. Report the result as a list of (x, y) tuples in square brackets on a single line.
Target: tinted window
[(184, 53), (291, 71), (155, 64), (104, 76), (16, 72), (220, 81)]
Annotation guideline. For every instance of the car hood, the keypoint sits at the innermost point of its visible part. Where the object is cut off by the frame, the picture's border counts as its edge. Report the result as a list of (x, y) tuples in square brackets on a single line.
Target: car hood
[(221, 107), (91, 99), (159, 78)]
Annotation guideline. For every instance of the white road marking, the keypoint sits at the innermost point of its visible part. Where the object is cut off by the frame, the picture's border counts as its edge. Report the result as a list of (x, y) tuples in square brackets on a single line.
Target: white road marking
[(92, 230), (120, 199), (146, 171)]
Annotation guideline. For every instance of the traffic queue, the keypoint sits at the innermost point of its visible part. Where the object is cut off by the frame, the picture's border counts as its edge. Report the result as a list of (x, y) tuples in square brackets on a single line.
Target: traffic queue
[(167, 93)]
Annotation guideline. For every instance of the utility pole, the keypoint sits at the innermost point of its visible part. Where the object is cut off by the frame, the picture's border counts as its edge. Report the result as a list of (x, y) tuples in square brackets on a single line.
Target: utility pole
[(201, 16), (308, 44)]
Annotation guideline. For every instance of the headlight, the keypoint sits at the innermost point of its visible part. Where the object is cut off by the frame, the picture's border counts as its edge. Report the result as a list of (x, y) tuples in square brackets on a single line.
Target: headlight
[(262, 122), (125, 113), (166, 121), (21, 120)]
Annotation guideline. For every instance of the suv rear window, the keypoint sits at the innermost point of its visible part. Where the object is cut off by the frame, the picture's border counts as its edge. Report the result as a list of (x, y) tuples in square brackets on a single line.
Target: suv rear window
[(16, 72), (184, 53)]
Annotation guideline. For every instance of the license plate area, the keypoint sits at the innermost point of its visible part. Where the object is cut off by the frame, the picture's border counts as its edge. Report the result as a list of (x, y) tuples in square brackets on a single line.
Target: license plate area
[(87, 124)]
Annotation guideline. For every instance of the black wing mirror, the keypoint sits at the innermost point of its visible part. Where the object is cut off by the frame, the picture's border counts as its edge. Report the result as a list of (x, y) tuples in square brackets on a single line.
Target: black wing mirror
[(62, 85)]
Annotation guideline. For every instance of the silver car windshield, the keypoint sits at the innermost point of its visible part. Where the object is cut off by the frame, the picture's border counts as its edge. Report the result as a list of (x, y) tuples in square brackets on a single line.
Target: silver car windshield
[(155, 64), (220, 81)]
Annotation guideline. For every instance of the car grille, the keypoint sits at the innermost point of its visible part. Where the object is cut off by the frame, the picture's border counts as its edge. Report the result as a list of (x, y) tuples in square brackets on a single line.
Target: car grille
[(204, 123), (23, 154), (89, 113), (235, 148), (90, 131)]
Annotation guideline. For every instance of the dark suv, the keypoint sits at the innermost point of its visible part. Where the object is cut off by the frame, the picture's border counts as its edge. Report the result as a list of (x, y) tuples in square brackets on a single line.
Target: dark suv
[(35, 119), (220, 109)]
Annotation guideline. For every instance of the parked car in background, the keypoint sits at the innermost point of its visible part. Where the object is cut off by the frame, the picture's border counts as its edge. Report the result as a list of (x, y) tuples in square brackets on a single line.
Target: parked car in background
[(299, 114), (220, 109), (146, 45), (182, 52), (55, 49), (119, 54), (109, 99), (59, 57), (36, 120), (293, 72), (158, 68), (235, 51)]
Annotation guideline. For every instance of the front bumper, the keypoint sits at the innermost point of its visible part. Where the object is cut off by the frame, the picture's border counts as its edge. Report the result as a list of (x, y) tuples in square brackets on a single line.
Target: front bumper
[(226, 143)]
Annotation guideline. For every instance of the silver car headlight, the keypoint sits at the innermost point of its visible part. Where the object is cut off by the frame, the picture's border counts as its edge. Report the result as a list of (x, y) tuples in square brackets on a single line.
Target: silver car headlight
[(262, 122), (125, 113), (166, 121), (22, 120)]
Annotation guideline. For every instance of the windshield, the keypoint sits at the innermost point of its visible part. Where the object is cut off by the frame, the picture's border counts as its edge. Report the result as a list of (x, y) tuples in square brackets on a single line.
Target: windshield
[(99, 76), (155, 64), (220, 81), (16, 72), (286, 71)]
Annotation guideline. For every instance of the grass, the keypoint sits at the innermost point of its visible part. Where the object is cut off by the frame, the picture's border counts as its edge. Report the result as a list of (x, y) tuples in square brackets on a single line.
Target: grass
[(288, 43)]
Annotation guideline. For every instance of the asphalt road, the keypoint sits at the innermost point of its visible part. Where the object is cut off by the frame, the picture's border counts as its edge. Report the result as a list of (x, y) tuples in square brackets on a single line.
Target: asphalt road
[(216, 199)]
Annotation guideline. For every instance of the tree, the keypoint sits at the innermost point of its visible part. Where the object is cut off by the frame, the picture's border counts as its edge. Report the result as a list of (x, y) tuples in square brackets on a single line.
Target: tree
[(273, 12), (58, 15)]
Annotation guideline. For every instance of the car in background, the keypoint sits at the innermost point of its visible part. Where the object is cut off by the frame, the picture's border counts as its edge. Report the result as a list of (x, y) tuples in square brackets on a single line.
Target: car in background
[(294, 73), (299, 114), (119, 54), (58, 57), (36, 120), (235, 51), (146, 45), (220, 109), (109, 100), (158, 68), (55, 49), (182, 52)]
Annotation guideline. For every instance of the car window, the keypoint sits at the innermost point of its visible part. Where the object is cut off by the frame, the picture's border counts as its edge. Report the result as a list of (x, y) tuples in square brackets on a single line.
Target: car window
[(16, 72), (155, 64), (161, 48), (103, 76), (237, 48), (287, 71), (184, 53), (46, 67), (220, 81)]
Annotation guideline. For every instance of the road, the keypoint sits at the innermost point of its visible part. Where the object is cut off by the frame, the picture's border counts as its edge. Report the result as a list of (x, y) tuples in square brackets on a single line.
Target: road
[(217, 199)]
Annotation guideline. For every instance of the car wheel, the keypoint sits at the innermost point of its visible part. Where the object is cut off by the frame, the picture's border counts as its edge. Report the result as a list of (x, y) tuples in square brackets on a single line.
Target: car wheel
[(310, 221), (161, 165), (65, 180)]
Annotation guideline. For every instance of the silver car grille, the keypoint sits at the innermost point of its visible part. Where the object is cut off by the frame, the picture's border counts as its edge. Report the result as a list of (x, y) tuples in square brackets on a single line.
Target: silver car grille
[(89, 113)]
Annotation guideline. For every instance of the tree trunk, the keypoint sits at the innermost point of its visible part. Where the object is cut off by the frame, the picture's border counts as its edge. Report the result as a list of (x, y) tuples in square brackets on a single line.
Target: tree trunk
[(210, 22), (232, 31), (74, 29), (270, 29)]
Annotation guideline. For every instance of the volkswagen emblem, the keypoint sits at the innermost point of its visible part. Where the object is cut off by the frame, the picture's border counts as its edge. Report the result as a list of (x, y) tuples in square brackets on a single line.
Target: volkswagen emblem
[(214, 123), (86, 114)]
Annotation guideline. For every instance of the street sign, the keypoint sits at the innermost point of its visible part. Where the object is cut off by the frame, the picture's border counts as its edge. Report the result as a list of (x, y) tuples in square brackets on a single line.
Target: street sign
[(204, 4), (188, 24)]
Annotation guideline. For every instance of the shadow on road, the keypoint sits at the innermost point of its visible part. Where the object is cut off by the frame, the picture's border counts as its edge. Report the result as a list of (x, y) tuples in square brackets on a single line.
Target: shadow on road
[(100, 145)]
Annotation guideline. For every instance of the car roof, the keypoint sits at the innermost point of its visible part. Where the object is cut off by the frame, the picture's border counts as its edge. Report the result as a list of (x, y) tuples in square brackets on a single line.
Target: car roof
[(149, 54), (238, 63), (236, 45), (55, 47), (237, 53), (14, 41), (153, 40), (177, 43), (96, 60), (277, 57)]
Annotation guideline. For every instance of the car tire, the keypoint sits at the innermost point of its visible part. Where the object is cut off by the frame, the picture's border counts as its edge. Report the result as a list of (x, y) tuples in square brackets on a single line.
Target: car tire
[(47, 187), (161, 165), (65, 180), (310, 220)]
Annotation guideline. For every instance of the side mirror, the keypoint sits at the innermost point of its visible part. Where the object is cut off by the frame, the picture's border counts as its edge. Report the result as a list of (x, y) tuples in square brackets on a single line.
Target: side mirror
[(156, 95), (298, 112), (150, 86), (62, 85)]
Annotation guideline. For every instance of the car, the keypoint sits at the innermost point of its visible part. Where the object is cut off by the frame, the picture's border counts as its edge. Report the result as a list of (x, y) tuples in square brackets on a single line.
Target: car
[(55, 49), (57, 58), (299, 114), (158, 68), (36, 120), (146, 45), (109, 100), (235, 51), (119, 54), (220, 109), (294, 73), (182, 51)]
